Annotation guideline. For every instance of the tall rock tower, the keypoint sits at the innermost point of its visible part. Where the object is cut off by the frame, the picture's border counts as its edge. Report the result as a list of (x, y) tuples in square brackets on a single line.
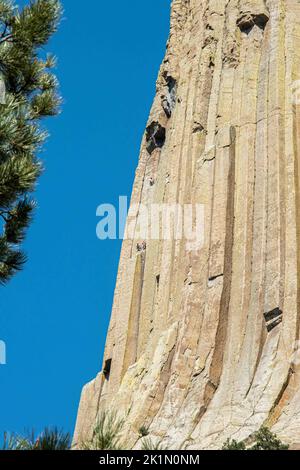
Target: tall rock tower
[(202, 344)]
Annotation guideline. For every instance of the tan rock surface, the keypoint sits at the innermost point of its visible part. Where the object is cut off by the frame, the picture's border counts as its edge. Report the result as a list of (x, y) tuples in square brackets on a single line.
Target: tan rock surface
[(201, 341)]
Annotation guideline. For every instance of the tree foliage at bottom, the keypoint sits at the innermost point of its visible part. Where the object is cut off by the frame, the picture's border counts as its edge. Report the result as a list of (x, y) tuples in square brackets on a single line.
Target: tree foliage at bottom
[(264, 440), (106, 433), (49, 439)]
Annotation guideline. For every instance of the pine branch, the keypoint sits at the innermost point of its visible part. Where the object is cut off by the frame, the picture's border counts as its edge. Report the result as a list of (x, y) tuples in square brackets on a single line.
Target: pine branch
[(18, 220), (11, 261), (18, 176), (45, 104), (6, 38), (28, 93), (36, 23), (6, 11)]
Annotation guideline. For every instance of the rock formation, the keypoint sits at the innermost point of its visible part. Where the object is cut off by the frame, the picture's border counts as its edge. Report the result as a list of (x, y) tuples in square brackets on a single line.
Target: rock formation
[(202, 344)]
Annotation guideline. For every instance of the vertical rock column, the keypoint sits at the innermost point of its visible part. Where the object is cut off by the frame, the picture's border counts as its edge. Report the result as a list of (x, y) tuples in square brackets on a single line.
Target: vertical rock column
[(200, 341)]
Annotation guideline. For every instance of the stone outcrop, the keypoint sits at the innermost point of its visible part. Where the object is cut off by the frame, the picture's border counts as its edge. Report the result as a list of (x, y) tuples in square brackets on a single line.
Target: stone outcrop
[(201, 343)]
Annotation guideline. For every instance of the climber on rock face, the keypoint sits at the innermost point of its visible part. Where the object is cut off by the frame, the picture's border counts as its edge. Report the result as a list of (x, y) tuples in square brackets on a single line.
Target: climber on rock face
[(141, 246)]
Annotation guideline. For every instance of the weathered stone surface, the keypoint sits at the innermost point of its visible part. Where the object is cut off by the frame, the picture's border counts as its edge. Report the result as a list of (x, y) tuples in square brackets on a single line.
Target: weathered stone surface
[(201, 342)]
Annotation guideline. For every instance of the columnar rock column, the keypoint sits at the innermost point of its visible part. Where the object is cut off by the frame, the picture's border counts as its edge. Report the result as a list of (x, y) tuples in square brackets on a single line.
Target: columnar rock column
[(201, 342)]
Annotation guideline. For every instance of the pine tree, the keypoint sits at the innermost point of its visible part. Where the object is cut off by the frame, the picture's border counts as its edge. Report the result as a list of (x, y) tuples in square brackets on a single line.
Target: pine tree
[(264, 440), (49, 439), (28, 92)]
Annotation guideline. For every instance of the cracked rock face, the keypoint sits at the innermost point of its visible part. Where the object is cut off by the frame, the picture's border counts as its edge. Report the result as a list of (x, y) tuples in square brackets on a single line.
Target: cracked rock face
[(201, 344)]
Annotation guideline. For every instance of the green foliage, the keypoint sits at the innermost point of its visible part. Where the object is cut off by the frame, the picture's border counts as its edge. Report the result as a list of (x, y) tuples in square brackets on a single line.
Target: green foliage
[(28, 92), (17, 221), (143, 431), (264, 440), (34, 26), (233, 445), (106, 434), (49, 439), (9, 442), (149, 444)]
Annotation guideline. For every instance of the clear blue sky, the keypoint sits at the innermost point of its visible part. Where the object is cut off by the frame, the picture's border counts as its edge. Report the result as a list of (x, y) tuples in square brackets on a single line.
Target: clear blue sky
[(54, 314)]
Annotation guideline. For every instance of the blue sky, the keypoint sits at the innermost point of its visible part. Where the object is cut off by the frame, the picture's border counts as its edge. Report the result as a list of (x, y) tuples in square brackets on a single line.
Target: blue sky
[(54, 314)]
